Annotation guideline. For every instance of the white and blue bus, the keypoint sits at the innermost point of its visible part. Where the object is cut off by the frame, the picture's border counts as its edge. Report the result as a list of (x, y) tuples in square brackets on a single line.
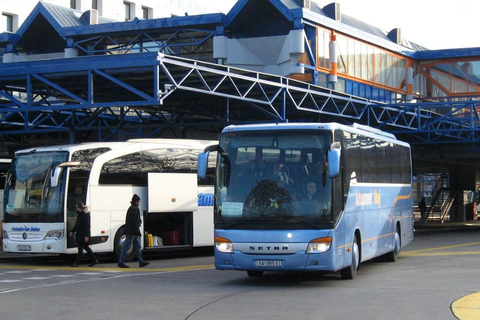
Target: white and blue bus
[(268, 219), (43, 185)]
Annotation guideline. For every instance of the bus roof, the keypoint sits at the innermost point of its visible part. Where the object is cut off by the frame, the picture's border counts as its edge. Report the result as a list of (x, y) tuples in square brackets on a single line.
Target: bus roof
[(74, 147), (355, 128), (191, 143)]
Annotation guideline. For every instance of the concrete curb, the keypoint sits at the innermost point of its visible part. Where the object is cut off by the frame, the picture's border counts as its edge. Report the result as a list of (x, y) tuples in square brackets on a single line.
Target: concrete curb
[(16, 257)]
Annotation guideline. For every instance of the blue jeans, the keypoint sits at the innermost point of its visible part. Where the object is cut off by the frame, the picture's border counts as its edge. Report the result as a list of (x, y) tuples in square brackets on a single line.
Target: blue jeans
[(137, 246)]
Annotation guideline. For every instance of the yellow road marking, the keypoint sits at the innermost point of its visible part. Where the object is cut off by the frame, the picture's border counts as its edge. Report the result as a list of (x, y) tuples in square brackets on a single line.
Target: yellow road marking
[(431, 254), (468, 307), (447, 247), (428, 252), (172, 269)]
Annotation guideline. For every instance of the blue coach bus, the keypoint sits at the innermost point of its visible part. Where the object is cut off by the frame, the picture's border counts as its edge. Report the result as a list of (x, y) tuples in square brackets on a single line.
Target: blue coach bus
[(309, 197)]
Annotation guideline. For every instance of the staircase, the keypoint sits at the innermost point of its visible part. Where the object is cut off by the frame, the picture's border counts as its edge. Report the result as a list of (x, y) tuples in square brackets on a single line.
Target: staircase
[(441, 202)]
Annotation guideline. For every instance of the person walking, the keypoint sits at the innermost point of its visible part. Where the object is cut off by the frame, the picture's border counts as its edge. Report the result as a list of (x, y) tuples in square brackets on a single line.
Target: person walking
[(82, 235), (132, 233), (422, 206)]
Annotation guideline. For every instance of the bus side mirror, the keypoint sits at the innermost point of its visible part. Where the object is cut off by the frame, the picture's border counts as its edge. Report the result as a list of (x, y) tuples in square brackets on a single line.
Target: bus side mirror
[(202, 164), (58, 171), (55, 176), (334, 160)]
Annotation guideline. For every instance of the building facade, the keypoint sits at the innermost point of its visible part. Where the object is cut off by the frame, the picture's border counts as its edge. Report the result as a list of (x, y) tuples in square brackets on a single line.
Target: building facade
[(139, 69)]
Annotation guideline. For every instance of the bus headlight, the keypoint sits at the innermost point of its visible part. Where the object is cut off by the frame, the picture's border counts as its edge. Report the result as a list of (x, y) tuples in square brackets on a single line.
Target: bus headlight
[(223, 245), (319, 245), (56, 234)]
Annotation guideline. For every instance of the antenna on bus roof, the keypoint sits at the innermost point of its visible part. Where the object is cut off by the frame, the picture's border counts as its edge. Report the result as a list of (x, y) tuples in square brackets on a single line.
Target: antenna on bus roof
[(373, 130)]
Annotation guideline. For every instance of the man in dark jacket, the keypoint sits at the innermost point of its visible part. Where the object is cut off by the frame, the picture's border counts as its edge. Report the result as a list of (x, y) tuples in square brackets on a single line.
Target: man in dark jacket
[(423, 210), (82, 235), (132, 234)]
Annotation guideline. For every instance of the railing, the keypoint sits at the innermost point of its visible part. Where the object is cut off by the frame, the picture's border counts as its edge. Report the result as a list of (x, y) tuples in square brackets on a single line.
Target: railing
[(447, 205)]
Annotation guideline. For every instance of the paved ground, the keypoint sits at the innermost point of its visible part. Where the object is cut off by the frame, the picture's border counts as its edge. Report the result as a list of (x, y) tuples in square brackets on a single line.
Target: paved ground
[(426, 227), (419, 285)]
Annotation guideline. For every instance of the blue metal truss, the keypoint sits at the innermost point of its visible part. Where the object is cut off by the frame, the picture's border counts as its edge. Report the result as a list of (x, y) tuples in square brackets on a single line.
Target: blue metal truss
[(443, 122), (185, 41), (143, 94)]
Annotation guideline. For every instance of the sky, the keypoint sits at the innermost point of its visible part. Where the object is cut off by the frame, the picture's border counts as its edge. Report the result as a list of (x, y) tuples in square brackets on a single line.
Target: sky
[(430, 23)]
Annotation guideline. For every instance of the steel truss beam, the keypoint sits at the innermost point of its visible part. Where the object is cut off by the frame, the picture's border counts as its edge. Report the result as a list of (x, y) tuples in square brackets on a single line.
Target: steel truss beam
[(282, 98), (142, 94), (443, 122), (185, 41)]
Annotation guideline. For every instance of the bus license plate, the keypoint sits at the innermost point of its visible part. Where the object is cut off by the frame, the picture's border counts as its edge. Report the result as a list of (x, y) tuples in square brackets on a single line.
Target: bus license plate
[(24, 247), (269, 263)]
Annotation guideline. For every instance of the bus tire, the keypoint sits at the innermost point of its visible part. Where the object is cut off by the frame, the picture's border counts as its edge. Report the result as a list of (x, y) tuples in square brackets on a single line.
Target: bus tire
[(256, 274), (397, 244), (117, 246), (350, 272)]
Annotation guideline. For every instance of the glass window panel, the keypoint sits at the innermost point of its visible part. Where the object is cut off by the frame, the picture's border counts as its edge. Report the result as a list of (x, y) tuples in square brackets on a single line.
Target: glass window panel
[(358, 59), (9, 22), (394, 72), (127, 11), (364, 66), (351, 57), (321, 48), (145, 11), (342, 54), (326, 43), (389, 70)]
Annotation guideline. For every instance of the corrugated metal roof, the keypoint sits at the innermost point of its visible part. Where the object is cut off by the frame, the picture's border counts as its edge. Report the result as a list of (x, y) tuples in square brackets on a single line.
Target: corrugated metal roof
[(347, 21), (290, 4), (69, 21), (361, 25), (67, 17)]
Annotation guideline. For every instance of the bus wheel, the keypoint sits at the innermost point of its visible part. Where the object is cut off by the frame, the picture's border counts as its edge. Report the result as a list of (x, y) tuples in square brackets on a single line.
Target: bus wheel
[(350, 272), (392, 255), (255, 273), (117, 246)]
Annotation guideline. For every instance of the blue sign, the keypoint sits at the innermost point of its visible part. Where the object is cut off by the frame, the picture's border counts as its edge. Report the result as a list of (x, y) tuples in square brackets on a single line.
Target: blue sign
[(205, 199)]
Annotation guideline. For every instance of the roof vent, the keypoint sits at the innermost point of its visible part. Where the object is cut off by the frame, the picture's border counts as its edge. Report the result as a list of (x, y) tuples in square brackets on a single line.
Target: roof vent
[(395, 35), (332, 11), (90, 16), (303, 3)]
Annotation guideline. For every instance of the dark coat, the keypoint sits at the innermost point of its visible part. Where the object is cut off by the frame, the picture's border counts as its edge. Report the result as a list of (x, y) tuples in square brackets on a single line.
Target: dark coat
[(422, 205), (132, 221), (82, 226)]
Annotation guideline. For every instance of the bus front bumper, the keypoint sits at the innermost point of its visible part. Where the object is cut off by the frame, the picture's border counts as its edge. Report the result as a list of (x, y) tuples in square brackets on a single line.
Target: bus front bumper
[(299, 261), (43, 246)]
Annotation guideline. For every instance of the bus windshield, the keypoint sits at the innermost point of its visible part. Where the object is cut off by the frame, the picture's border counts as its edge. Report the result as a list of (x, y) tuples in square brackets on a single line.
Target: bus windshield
[(274, 179), (29, 196)]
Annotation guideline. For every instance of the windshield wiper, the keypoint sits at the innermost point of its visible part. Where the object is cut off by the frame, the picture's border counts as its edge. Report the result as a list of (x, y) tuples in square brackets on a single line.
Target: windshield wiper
[(231, 224), (302, 220)]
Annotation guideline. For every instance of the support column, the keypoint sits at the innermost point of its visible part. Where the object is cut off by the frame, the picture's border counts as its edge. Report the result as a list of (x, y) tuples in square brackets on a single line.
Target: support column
[(409, 96), (70, 50), (10, 54), (461, 181), (332, 78)]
